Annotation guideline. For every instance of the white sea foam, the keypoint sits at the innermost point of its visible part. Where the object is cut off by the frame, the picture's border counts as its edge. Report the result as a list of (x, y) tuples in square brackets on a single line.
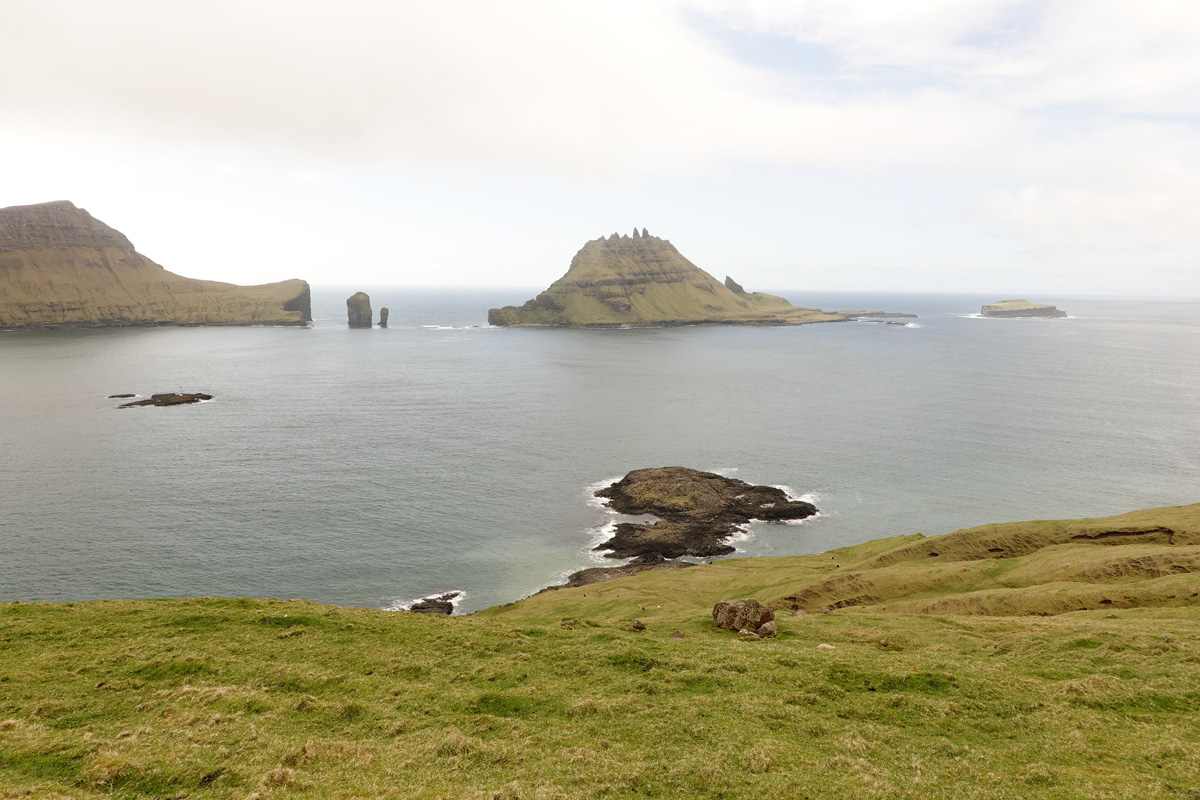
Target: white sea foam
[(600, 502), (405, 605)]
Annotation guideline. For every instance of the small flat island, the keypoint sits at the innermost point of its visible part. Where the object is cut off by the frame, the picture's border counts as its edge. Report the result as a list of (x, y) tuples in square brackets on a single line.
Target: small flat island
[(1019, 308)]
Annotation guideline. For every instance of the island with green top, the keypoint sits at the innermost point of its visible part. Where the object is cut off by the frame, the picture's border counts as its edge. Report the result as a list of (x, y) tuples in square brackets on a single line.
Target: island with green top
[(644, 281), (1019, 308)]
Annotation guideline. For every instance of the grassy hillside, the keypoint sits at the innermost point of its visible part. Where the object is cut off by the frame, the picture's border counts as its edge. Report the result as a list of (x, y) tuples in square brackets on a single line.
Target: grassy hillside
[(559, 696), (644, 280), (61, 267)]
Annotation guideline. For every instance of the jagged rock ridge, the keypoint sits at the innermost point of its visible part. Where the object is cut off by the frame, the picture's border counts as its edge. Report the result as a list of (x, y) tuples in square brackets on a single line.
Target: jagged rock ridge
[(61, 267), (643, 280)]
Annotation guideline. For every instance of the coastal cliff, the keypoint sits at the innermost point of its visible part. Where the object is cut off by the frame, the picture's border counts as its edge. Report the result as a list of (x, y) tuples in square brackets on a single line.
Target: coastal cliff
[(1019, 308), (61, 267), (642, 280)]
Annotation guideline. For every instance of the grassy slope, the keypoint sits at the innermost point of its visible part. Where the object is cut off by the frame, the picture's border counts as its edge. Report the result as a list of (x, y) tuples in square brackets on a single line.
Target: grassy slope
[(558, 696), (105, 285)]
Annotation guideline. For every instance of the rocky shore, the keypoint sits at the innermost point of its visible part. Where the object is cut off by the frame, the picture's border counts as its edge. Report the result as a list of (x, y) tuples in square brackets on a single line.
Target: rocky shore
[(698, 512)]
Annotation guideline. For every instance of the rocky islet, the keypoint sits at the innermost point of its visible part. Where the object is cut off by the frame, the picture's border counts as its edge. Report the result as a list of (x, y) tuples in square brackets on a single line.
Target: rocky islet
[(698, 512)]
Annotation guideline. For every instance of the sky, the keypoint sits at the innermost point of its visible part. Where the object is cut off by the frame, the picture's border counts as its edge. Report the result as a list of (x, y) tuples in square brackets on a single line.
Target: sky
[(1011, 147)]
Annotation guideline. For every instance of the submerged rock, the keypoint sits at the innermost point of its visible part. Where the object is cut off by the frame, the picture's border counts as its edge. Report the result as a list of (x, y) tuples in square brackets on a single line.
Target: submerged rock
[(168, 399), (358, 310)]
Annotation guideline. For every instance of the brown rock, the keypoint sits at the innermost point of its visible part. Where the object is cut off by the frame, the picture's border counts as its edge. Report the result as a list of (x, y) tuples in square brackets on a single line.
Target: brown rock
[(687, 495), (736, 614), (638, 625), (442, 604), (383, 317), (358, 310), (677, 635), (767, 630), (669, 540)]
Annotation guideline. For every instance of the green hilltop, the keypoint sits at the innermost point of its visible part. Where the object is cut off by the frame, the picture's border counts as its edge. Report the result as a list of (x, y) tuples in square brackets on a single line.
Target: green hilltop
[(1045, 659), (642, 280)]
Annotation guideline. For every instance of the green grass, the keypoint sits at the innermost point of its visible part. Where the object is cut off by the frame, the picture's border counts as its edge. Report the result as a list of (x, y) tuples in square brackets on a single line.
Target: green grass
[(559, 697)]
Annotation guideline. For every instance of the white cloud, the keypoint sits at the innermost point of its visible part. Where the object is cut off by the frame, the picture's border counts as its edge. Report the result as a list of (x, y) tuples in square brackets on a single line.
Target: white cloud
[(1066, 126)]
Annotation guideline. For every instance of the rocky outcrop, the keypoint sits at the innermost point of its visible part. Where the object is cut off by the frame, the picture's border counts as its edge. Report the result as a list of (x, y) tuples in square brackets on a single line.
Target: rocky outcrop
[(383, 317), (698, 512), (738, 615), (642, 280), (669, 540), (168, 399), (358, 310), (1019, 308), (61, 267), (689, 495), (441, 604)]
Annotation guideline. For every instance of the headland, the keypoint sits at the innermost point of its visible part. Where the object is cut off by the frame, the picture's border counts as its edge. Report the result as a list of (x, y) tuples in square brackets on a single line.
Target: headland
[(60, 267)]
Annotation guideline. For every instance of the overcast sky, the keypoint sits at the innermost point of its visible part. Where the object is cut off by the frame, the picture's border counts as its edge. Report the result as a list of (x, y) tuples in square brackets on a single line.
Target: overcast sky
[(1010, 147)]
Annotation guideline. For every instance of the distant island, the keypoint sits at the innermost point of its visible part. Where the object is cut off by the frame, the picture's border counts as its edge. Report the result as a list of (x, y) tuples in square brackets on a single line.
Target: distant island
[(60, 267), (1019, 308), (643, 281)]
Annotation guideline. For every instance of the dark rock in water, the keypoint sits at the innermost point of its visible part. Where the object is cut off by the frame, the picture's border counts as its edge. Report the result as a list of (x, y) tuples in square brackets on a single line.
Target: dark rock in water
[(383, 317), (699, 511), (358, 310), (748, 614), (645, 563), (687, 495), (669, 539), (120, 396), (169, 399), (435, 605)]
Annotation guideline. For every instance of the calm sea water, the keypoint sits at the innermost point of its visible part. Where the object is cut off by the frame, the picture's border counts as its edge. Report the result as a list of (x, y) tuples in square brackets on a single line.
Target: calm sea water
[(370, 467)]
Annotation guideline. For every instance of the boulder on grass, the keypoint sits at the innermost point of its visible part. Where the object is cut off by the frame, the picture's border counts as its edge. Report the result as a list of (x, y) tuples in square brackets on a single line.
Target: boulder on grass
[(735, 615)]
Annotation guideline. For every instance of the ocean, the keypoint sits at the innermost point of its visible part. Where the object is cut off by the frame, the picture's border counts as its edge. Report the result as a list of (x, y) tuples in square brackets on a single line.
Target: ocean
[(373, 467)]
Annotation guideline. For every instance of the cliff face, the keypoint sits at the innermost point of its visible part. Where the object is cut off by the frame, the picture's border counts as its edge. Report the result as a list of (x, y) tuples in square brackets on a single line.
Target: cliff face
[(1019, 308), (643, 280), (61, 267)]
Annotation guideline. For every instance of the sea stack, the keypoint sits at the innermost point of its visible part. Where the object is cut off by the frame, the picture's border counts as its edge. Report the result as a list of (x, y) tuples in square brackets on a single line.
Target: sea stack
[(60, 267), (383, 316), (358, 310), (642, 281), (1019, 308)]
